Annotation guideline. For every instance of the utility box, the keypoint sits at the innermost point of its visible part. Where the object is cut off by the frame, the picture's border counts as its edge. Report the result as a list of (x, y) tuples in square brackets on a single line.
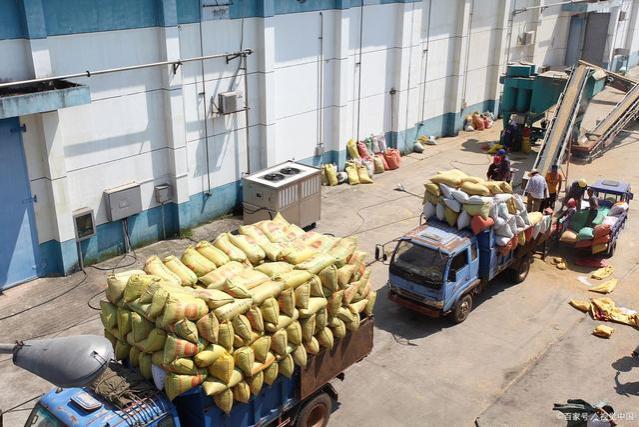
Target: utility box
[(83, 223), (162, 193), (123, 201), (230, 102)]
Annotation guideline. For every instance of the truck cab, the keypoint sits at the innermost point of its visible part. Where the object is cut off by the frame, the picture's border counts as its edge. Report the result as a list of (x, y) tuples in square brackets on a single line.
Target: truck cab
[(434, 270)]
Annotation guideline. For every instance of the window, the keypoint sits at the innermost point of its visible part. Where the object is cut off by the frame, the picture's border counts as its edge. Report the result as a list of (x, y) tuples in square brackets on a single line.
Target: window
[(418, 264), (460, 261), (473, 252), (41, 417)]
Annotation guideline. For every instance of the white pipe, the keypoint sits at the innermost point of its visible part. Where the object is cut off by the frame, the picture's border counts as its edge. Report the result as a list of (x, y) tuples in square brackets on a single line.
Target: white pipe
[(206, 116), (425, 83), (410, 65), (88, 73), (320, 118), (359, 74), (470, 30)]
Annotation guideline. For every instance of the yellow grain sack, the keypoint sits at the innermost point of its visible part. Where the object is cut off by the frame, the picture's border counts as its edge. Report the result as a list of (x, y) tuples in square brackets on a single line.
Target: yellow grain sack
[(208, 327), (286, 366), (254, 315), (145, 365), (334, 302), (321, 319), (217, 278), (140, 327), (325, 338), (293, 279), (283, 322), (358, 307), (299, 256), (362, 173), (432, 188), (236, 290), (505, 187), (302, 295), (224, 401), (175, 348), (603, 331), (124, 321), (242, 392), (344, 275), (254, 253), (343, 250), (129, 339), (450, 216), (606, 287), (279, 342), (255, 383), (602, 273), (134, 357), (108, 314), (314, 305), (122, 350), (354, 325), (266, 290), (272, 269), (182, 366), (316, 287), (244, 359), (448, 178), (183, 308), (242, 326), (213, 387), (345, 314), (328, 277), (197, 262), (156, 267), (261, 348), (307, 327), (116, 282), (312, 346), (223, 243), (330, 171), (601, 247), (473, 189), (286, 301), (154, 342), (157, 358), (213, 298), (108, 335), (136, 284), (270, 373), (351, 171), (338, 327), (176, 384), (274, 230), (187, 330), (372, 297), (226, 335), (350, 292), (187, 277), (229, 311), (157, 286), (294, 333), (317, 263), (270, 310), (222, 367), (493, 186), (300, 357), (209, 355), (213, 254), (580, 305)]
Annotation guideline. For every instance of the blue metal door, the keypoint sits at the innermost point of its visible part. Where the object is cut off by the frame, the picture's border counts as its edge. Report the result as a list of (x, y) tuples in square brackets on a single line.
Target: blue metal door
[(575, 34), (18, 241)]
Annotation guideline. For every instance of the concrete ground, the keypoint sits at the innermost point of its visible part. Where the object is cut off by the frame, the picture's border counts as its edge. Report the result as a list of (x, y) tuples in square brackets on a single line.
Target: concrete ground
[(522, 349)]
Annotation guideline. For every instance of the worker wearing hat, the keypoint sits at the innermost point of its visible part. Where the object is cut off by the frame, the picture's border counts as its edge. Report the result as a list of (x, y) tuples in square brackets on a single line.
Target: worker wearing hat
[(565, 217), (576, 192), (499, 170), (554, 179), (536, 191)]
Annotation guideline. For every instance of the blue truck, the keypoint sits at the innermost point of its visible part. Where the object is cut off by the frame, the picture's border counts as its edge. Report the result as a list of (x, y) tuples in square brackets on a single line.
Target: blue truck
[(436, 270), (305, 399)]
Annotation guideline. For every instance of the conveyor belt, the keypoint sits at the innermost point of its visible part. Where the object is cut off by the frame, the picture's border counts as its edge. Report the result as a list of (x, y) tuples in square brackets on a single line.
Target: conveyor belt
[(559, 128), (605, 132)]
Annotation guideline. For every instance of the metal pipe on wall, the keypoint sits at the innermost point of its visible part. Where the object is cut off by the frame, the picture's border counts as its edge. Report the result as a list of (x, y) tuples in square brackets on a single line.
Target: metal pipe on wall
[(465, 82), (426, 53), (206, 116), (320, 118), (359, 74)]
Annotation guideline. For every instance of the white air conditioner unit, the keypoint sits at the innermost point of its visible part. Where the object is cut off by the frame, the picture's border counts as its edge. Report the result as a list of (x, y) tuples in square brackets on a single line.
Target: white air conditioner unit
[(526, 38), (230, 102), (622, 16)]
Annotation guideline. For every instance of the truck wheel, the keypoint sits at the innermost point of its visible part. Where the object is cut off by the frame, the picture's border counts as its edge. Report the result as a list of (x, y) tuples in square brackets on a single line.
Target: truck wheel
[(315, 412), (462, 308), (520, 273)]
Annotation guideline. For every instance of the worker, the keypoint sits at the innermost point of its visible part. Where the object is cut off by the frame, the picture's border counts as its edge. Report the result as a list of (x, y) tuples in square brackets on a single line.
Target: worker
[(537, 191), (576, 192), (565, 217), (553, 180), (593, 205), (493, 169), (504, 167)]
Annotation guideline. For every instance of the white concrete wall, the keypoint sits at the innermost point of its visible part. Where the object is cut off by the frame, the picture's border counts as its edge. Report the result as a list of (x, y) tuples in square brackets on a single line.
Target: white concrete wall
[(439, 56)]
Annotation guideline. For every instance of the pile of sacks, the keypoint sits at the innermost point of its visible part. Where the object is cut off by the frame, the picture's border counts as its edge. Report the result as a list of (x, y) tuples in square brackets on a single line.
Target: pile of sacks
[(365, 159), (469, 202), (598, 233), (234, 314), (477, 121)]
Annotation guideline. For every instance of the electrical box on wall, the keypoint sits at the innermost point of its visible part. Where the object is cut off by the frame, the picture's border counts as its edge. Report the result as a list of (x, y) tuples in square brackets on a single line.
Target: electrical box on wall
[(83, 223), (162, 193), (526, 38), (123, 201), (230, 102)]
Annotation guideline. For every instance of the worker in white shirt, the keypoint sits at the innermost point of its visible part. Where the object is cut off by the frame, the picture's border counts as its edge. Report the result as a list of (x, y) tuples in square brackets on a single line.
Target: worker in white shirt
[(537, 191)]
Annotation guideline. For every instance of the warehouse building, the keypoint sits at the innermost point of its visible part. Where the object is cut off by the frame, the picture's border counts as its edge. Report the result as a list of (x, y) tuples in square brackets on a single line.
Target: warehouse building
[(295, 79)]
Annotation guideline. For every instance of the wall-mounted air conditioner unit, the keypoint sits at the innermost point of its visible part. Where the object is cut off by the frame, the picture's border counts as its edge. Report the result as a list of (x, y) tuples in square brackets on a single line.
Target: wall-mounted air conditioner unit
[(230, 102), (526, 38)]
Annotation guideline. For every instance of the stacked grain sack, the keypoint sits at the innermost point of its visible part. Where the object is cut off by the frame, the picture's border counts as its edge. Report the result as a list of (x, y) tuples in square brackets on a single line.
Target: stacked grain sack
[(469, 202), (234, 314)]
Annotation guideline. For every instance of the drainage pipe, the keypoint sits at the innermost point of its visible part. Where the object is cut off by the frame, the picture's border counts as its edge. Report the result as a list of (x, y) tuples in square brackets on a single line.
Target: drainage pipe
[(426, 54)]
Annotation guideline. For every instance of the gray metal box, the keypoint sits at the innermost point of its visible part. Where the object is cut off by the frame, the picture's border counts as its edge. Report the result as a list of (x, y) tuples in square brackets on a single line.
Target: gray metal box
[(123, 201)]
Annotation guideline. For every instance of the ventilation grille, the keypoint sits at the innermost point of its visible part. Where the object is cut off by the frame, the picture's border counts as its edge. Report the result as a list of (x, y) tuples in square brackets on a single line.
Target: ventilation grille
[(287, 196), (311, 186)]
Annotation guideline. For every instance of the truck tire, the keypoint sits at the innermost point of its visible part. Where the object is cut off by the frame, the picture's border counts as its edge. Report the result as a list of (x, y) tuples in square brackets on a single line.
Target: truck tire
[(315, 412), (520, 272), (462, 308)]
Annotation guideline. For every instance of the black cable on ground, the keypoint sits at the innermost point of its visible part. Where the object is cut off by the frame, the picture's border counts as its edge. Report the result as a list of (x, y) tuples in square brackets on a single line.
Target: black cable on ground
[(363, 220), (40, 304), (15, 408), (91, 299)]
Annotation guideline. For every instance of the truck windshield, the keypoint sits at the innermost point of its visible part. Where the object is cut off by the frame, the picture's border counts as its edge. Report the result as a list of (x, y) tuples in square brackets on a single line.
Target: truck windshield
[(41, 417), (418, 263)]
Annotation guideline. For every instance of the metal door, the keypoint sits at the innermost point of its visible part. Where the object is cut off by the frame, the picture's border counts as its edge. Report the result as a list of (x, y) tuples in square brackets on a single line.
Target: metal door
[(595, 38), (19, 256), (574, 39)]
